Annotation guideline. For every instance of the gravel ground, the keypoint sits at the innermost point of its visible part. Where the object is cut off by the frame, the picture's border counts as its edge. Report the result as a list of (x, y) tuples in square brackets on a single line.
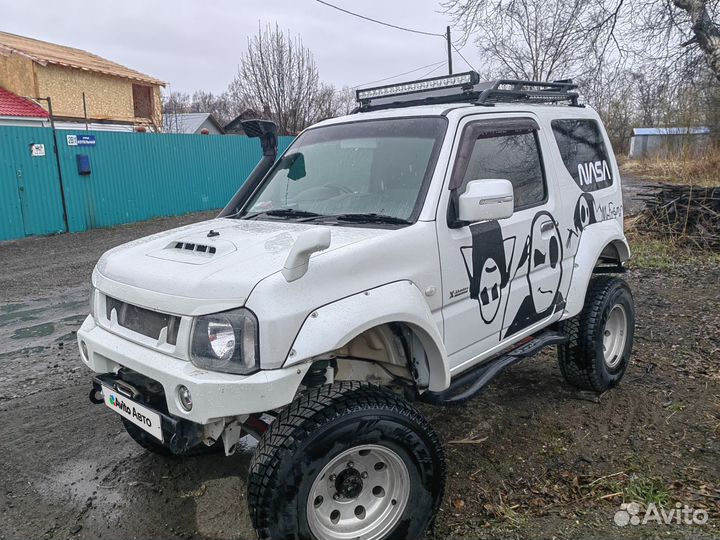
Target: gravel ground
[(530, 458)]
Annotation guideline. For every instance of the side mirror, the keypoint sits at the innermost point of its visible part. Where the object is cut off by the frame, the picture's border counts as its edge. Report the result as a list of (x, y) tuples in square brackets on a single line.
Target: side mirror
[(486, 199)]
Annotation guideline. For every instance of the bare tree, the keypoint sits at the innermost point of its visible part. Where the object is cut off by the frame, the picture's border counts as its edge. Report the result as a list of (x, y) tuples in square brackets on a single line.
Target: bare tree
[(278, 74), (174, 104), (705, 29), (539, 39), (532, 39)]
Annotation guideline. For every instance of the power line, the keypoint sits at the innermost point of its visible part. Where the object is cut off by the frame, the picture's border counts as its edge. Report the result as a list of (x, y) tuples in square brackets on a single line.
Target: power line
[(441, 62), (379, 22), (461, 56), (433, 70)]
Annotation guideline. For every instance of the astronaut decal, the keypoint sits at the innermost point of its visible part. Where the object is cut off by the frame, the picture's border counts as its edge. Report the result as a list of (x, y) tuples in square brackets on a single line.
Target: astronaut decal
[(584, 215), (543, 255), (488, 267)]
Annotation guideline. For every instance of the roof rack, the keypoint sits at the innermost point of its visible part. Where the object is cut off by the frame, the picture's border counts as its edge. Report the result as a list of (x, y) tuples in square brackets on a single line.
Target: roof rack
[(534, 91), (465, 88)]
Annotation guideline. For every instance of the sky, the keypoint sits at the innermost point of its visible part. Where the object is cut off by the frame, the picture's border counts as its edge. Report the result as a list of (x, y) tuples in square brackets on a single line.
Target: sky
[(196, 45)]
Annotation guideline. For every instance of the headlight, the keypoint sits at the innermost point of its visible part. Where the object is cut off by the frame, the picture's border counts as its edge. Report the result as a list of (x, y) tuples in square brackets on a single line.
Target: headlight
[(226, 342)]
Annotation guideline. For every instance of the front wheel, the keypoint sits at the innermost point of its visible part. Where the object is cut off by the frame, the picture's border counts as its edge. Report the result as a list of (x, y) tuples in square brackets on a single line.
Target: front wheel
[(347, 460)]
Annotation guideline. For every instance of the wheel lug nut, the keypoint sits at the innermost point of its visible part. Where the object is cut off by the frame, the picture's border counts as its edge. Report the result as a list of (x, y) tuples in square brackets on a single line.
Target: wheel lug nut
[(364, 475), (350, 465), (332, 477), (336, 496)]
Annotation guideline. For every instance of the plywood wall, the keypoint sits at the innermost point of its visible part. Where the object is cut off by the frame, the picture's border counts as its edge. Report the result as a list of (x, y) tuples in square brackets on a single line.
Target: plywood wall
[(107, 97), (16, 75)]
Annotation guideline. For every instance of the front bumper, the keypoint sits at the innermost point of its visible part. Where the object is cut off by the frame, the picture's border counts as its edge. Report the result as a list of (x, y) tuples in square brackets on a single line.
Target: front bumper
[(215, 395)]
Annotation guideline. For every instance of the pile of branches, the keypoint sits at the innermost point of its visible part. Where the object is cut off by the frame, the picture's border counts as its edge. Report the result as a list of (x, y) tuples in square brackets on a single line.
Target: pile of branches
[(681, 211)]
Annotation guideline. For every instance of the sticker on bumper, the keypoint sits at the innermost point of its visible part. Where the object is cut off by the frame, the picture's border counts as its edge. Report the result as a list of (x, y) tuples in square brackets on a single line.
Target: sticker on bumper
[(138, 414)]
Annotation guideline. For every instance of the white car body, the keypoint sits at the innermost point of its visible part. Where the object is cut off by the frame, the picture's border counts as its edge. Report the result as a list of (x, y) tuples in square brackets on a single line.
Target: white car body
[(368, 278)]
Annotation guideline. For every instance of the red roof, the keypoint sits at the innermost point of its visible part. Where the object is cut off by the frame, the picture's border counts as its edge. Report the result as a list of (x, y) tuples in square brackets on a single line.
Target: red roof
[(14, 105)]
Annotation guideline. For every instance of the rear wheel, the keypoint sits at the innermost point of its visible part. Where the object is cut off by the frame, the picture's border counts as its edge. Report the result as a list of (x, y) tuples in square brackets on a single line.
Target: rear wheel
[(600, 337), (347, 460)]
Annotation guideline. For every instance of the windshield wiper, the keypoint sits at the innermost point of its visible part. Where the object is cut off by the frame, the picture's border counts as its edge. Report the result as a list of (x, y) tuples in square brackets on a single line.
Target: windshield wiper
[(372, 218), (284, 212)]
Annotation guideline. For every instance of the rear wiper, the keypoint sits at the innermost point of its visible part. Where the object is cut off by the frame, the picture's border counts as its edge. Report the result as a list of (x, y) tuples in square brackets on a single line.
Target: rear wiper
[(284, 212), (372, 218)]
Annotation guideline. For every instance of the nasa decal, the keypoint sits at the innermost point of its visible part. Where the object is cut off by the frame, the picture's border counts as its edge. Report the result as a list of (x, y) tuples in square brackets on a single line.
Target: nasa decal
[(593, 175)]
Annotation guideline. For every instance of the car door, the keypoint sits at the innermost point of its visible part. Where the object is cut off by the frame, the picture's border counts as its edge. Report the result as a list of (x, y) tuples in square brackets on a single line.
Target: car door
[(500, 278)]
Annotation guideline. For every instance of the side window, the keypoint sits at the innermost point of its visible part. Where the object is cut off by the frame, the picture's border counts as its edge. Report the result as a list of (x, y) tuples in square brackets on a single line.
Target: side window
[(514, 157), (583, 151)]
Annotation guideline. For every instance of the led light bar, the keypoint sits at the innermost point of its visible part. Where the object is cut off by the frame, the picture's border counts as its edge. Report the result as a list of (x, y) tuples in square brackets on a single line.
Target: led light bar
[(465, 80)]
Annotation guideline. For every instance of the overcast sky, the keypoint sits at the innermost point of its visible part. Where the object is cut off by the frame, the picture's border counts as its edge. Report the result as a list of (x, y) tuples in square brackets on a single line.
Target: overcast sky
[(196, 44)]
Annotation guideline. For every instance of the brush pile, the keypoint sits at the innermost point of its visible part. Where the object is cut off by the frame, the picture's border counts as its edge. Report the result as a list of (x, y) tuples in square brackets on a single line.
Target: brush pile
[(683, 212)]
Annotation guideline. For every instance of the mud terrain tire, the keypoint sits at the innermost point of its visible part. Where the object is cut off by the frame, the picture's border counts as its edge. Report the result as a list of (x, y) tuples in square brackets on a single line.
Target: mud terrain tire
[(600, 337), (346, 421)]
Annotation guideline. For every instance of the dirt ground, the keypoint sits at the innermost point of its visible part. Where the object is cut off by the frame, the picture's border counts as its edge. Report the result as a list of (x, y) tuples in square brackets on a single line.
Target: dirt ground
[(530, 458)]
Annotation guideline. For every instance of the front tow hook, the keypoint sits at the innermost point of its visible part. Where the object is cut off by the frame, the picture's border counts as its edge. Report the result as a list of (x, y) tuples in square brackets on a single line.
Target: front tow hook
[(96, 396)]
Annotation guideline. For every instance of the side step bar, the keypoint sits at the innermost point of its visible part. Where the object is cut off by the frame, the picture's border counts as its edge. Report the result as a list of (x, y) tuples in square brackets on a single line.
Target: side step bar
[(479, 377)]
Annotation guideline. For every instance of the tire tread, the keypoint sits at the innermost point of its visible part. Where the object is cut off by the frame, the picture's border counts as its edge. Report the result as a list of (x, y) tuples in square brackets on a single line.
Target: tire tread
[(303, 416)]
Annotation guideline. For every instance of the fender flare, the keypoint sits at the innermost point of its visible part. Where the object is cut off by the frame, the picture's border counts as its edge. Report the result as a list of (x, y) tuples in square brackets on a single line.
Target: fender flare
[(594, 240), (331, 326)]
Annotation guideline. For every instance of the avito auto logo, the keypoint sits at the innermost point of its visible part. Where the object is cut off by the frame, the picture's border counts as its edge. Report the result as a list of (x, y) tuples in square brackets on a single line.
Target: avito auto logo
[(129, 410)]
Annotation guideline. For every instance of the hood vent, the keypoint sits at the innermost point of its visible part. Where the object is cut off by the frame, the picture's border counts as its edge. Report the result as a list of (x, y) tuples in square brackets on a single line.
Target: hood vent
[(200, 249), (192, 251)]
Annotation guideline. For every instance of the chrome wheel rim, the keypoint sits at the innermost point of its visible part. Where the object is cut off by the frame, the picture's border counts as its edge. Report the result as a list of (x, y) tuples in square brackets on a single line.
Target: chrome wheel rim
[(360, 494), (614, 336)]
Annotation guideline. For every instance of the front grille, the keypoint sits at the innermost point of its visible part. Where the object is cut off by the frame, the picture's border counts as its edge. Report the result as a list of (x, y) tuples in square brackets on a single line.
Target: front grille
[(143, 321)]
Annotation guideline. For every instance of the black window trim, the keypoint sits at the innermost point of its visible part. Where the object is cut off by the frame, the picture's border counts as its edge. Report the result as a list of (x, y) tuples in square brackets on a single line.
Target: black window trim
[(518, 127)]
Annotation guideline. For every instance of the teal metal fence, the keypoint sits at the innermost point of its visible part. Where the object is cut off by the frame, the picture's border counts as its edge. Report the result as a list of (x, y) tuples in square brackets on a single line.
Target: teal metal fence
[(30, 197), (110, 178)]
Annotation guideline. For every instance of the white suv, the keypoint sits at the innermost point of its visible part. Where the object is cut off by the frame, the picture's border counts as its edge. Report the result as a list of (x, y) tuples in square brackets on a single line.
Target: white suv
[(409, 251)]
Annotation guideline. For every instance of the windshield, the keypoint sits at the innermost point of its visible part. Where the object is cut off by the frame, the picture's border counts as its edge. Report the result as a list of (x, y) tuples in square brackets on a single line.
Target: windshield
[(376, 168)]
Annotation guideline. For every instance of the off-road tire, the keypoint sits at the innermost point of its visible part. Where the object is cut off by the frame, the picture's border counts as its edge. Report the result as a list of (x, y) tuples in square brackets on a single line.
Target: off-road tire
[(319, 426), (151, 444), (581, 359)]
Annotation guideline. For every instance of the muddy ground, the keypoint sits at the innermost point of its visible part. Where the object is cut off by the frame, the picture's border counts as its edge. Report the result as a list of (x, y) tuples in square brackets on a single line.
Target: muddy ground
[(530, 458)]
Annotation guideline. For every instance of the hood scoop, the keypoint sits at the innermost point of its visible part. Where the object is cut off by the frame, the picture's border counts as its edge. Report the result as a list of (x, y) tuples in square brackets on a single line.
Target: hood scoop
[(196, 248), (193, 251)]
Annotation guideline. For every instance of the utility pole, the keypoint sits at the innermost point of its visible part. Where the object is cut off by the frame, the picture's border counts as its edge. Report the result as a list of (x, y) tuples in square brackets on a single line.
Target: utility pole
[(449, 50)]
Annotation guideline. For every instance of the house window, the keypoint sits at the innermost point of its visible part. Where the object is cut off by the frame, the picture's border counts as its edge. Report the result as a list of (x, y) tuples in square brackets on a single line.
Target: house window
[(142, 101)]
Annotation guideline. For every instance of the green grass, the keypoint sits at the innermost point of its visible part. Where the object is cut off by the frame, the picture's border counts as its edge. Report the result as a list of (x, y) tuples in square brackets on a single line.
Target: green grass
[(646, 491), (652, 253)]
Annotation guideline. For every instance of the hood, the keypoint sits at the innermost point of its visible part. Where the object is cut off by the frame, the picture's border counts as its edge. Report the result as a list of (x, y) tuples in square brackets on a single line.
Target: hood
[(221, 259)]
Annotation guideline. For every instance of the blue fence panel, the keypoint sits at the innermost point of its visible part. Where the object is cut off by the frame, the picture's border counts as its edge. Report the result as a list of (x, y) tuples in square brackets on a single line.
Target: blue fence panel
[(111, 178), (30, 199), (139, 176)]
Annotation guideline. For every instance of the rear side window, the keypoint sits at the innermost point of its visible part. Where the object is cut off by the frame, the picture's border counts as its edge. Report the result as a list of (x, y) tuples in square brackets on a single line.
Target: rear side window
[(584, 153)]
